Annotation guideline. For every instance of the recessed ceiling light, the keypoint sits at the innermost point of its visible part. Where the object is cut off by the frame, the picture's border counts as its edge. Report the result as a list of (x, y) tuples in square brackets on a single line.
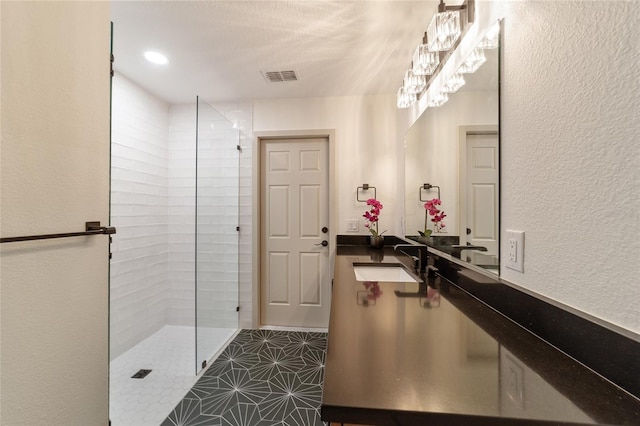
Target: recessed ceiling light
[(155, 57)]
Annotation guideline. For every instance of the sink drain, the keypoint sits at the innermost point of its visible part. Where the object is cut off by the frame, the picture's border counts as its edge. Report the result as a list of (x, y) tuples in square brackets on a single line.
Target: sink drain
[(141, 374)]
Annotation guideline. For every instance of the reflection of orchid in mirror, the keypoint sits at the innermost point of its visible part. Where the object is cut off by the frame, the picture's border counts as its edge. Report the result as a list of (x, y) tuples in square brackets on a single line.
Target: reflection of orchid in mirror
[(433, 295), (374, 289), (437, 217), (372, 216)]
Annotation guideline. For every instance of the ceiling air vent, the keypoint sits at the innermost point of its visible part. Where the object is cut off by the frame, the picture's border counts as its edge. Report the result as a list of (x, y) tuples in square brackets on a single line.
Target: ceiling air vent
[(279, 76)]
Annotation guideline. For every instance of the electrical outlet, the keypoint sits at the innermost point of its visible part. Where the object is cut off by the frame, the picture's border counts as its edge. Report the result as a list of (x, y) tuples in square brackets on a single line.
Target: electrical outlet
[(352, 225), (515, 250)]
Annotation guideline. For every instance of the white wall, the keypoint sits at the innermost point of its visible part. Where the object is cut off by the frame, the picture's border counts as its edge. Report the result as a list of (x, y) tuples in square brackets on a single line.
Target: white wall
[(139, 210), (570, 157), (54, 177), (367, 147)]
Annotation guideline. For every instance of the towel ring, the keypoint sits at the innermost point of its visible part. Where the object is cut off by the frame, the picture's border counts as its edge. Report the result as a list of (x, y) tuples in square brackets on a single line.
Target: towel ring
[(363, 188)]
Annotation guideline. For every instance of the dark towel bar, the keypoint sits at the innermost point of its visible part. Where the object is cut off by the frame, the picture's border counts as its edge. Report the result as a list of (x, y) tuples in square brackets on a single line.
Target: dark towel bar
[(91, 228)]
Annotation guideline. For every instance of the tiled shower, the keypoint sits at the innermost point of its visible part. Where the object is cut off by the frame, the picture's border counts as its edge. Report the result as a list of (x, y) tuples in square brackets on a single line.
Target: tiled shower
[(172, 233)]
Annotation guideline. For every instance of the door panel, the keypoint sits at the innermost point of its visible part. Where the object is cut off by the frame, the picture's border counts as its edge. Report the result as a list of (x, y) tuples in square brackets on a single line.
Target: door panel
[(309, 279), (295, 279), (278, 217), (482, 190), (279, 273), (309, 211)]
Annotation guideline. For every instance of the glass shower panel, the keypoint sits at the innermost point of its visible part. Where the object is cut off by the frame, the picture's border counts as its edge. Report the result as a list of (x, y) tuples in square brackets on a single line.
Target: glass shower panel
[(217, 182)]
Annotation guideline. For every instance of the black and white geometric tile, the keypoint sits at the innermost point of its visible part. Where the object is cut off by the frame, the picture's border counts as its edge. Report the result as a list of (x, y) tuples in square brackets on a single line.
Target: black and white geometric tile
[(263, 378)]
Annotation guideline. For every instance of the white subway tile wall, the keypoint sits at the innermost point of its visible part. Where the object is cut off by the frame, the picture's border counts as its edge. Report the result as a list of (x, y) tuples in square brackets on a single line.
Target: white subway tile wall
[(153, 207), (139, 191), (182, 210)]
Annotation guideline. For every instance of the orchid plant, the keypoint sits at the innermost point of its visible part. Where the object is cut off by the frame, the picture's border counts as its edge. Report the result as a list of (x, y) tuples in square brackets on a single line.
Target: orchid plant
[(372, 216), (437, 217)]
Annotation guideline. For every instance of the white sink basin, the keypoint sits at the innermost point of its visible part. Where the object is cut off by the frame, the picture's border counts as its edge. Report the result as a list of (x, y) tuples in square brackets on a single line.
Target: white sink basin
[(394, 274)]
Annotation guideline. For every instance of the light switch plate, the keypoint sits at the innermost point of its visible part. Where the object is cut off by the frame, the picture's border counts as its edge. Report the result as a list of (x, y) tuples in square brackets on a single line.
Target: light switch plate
[(515, 250), (352, 225)]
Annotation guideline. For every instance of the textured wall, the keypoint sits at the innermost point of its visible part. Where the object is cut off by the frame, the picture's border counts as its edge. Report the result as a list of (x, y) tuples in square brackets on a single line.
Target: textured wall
[(139, 193), (54, 177), (571, 158)]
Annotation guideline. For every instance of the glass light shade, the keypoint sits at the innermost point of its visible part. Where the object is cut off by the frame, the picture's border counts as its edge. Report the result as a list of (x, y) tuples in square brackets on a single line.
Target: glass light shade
[(404, 99), (473, 62), (414, 84), (443, 30), (425, 61), (491, 38), (438, 100), (454, 83)]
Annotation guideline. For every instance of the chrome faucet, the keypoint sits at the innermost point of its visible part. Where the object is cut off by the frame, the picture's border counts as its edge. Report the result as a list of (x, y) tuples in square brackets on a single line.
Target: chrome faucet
[(419, 258)]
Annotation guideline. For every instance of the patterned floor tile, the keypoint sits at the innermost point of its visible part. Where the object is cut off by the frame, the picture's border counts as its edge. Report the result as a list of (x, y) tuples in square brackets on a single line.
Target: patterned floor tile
[(262, 378)]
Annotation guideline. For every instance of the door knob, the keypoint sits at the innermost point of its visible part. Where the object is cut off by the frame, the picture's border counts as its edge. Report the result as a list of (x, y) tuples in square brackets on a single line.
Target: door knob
[(324, 243), (325, 229), (468, 231)]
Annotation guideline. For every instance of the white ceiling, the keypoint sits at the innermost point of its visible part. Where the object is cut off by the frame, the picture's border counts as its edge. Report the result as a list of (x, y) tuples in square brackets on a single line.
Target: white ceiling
[(217, 49)]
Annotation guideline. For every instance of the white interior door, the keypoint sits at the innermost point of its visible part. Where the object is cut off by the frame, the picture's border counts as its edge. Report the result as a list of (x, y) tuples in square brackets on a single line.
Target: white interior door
[(482, 191), (295, 279)]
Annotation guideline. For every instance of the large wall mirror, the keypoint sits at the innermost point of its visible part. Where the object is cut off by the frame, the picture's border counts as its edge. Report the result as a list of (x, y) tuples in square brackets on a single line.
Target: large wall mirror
[(452, 152)]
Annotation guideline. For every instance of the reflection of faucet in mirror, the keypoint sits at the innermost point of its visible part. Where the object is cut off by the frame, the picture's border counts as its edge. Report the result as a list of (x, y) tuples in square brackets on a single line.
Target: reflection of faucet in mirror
[(457, 249), (419, 258)]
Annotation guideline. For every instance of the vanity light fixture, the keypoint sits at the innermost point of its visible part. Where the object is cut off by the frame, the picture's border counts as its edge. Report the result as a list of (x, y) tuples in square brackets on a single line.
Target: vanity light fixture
[(444, 29), (425, 61), (491, 39), (438, 100), (473, 61), (404, 99), (414, 83), (156, 57), (454, 83)]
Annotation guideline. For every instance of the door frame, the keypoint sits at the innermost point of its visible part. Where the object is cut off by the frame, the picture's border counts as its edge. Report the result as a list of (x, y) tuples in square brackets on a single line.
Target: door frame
[(464, 132), (259, 138)]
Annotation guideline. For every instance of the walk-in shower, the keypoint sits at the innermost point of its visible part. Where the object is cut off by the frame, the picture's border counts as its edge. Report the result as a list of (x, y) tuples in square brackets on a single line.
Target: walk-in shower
[(174, 273), (217, 230)]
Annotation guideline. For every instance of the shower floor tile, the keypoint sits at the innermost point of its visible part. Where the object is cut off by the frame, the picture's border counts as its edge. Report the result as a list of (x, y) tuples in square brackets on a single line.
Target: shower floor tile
[(170, 354)]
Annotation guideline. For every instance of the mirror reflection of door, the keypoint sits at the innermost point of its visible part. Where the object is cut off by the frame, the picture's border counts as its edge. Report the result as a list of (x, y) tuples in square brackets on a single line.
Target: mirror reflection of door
[(479, 190)]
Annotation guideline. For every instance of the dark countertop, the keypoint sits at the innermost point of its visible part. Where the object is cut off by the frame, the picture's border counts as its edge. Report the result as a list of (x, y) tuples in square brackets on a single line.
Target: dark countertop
[(443, 357)]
